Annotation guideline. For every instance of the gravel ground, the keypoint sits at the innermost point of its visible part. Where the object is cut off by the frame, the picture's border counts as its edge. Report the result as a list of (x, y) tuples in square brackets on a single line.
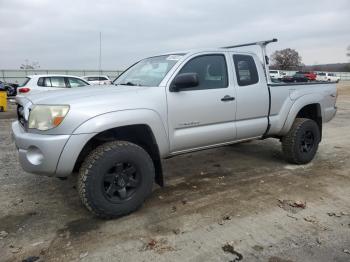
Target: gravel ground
[(240, 202)]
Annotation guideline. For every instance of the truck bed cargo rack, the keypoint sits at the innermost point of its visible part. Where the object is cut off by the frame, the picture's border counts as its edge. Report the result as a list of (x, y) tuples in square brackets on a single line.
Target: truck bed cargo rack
[(262, 45)]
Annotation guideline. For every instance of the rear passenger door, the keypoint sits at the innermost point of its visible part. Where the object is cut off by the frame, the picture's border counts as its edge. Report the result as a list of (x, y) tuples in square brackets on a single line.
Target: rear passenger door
[(203, 115), (252, 96)]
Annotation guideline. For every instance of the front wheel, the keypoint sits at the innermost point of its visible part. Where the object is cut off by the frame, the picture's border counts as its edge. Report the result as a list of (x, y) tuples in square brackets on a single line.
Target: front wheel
[(115, 179), (301, 142)]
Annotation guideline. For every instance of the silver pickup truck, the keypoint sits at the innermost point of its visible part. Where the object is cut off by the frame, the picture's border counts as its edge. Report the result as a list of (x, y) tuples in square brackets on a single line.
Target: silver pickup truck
[(116, 136)]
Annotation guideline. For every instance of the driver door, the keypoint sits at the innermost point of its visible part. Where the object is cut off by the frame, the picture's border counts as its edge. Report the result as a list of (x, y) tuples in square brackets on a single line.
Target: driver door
[(203, 115)]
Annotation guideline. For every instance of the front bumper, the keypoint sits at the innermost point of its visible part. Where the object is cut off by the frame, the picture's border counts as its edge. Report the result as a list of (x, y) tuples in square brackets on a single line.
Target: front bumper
[(49, 155), (38, 153)]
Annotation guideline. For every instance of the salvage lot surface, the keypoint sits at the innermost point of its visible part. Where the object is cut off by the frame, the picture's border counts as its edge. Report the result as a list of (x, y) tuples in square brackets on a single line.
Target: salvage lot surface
[(244, 195)]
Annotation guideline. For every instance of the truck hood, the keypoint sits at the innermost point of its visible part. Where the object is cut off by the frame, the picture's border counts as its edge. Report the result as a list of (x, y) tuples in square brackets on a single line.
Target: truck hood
[(88, 102), (81, 95)]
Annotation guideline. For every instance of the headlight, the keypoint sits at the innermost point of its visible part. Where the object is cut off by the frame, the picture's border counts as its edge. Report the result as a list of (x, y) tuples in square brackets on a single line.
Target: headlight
[(44, 117)]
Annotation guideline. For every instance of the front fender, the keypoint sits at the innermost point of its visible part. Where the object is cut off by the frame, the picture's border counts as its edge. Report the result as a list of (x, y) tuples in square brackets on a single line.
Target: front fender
[(122, 118), (88, 129), (297, 106)]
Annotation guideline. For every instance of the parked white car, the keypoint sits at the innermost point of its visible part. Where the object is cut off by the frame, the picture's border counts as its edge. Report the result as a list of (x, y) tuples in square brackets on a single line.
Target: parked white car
[(40, 83), (330, 77), (98, 79), (276, 74)]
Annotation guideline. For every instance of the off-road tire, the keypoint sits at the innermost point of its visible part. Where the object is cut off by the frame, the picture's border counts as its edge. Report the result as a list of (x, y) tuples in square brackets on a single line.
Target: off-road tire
[(91, 174), (292, 142)]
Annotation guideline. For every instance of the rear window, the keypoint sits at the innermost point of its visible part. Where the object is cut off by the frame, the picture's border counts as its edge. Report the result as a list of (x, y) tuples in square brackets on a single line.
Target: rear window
[(246, 71), (26, 80), (273, 72)]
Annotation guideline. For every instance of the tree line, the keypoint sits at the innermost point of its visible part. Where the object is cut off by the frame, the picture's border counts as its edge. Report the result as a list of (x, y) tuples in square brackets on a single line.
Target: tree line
[(289, 59)]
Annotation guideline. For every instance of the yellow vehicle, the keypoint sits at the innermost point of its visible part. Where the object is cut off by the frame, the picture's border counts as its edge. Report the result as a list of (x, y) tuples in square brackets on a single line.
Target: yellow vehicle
[(3, 101)]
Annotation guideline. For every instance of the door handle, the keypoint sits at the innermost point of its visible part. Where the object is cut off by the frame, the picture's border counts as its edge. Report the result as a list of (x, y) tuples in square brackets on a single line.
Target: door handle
[(227, 98)]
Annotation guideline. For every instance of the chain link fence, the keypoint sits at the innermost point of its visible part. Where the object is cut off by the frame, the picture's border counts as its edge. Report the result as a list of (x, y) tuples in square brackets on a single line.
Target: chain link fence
[(18, 76)]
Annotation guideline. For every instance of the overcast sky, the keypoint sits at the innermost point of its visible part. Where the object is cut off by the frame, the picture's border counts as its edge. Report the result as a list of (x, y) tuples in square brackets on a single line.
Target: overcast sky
[(64, 34)]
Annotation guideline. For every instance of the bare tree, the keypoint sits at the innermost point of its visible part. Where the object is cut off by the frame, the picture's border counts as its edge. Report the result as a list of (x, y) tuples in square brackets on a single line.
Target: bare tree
[(29, 65), (286, 59)]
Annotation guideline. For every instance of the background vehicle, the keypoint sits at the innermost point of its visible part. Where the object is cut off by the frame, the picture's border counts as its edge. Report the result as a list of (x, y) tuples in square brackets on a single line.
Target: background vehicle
[(41, 83), (10, 88), (97, 80), (277, 74), (161, 107), (330, 77), (300, 77), (311, 76)]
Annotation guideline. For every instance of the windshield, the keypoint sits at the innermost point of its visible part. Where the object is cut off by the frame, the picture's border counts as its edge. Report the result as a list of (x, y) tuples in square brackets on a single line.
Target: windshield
[(273, 72), (149, 71)]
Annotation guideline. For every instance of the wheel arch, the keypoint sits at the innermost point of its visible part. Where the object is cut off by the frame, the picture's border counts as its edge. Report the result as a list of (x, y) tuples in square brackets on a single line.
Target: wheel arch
[(307, 106), (140, 134), (142, 126)]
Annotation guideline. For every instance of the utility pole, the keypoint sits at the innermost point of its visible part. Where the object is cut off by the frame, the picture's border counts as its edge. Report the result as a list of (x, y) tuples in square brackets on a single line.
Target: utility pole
[(100, 56)]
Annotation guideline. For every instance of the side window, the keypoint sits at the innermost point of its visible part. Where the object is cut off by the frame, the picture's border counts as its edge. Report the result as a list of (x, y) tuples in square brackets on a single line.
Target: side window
[(47, 81), (75, 82), (41, 81), (211, 70), (246, 71), (57, 82)]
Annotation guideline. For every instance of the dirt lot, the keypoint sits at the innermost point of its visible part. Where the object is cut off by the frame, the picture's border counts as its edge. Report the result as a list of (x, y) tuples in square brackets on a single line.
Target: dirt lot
[(244, 195)]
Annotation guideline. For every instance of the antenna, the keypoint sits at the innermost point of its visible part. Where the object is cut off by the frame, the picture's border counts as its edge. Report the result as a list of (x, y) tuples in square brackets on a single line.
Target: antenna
[(100, 58)]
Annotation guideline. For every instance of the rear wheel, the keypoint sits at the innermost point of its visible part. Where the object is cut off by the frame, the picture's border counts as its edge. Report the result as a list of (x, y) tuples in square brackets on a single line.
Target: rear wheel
[(301, 143), (115, 179)]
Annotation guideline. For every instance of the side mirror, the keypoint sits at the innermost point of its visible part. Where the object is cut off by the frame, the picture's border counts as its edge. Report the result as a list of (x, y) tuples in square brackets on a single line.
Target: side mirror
[(183, 81)]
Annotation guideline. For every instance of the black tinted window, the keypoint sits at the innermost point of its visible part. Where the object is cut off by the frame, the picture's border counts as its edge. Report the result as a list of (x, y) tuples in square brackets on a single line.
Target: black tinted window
[(246, 71), (41, 81), (211, 71)]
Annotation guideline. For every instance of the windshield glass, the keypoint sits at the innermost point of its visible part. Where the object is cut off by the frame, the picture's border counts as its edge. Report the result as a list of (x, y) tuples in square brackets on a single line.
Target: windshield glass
[(149, 71)]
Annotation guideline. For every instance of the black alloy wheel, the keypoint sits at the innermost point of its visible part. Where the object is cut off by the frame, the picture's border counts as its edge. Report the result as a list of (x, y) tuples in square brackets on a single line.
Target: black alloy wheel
[(307, 141), (121, 182)]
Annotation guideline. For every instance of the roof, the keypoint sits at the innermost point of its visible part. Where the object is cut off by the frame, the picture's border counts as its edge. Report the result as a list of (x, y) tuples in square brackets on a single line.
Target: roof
[(49, 75), (94, 76), (209, 50)]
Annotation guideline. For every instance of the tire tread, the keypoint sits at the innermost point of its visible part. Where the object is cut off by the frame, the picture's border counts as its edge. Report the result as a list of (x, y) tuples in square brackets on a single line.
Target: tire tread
[(289, 141), (84, 176)]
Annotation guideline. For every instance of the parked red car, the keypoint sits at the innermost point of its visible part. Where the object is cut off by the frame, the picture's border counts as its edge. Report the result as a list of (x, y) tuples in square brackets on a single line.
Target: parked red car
[(309, 75)]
